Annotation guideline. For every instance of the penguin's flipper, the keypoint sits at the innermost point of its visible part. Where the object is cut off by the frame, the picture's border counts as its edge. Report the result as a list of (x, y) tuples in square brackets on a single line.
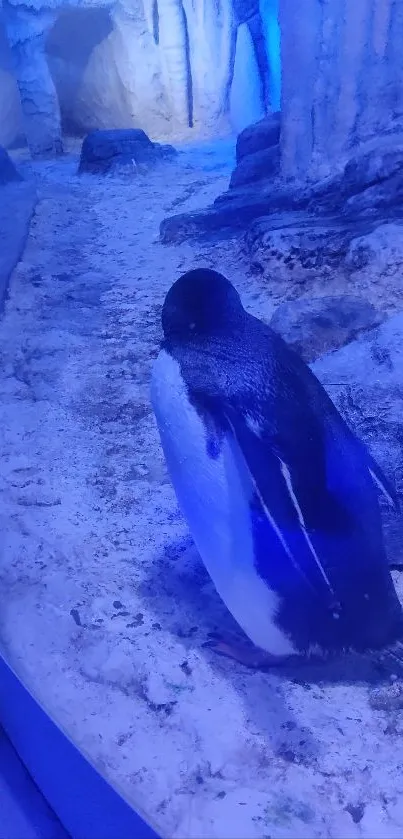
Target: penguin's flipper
[(383, 484), (290, 484)]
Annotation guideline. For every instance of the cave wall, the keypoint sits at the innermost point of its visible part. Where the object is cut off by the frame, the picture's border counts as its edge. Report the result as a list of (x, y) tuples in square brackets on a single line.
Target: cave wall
[(11, 129), (176, 68), (342, 79), (192, 68)]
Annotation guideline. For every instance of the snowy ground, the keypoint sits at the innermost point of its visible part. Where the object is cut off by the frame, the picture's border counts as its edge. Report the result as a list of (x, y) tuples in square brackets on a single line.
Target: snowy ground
[(104, 605)]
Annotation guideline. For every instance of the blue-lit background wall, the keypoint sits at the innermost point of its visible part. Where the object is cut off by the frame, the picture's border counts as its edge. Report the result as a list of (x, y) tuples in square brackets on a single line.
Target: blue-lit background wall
[(269, 15), (179, 69)]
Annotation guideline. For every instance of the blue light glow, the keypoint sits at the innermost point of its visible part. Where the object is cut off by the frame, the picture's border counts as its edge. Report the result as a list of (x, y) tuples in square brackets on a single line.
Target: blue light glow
[(269, 14)]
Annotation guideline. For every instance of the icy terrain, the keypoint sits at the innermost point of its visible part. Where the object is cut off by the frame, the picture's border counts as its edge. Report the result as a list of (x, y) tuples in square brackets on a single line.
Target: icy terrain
[(104, 605)]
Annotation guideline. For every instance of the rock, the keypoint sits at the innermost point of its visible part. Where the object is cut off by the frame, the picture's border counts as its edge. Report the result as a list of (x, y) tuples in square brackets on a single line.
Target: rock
[(327, 70), (314, 326), (245, 9), (167, 150), (253, 167), (264, 55), (17, 204), (379, 253), (373, 166), (371, 180), (165, 67), (104, 152), (272, 41), (382, 196), (329, 256), (364, 380), (235, 210), (246, 95), (262, 135), (296, 253), (183, 226), (8, 171), (368, 192), (10, 105), (27, 30), (225, 217)]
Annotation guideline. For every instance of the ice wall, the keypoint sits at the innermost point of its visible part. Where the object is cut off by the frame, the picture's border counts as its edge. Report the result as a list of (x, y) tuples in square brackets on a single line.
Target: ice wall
[(342, 78), (268, 10), (26, 29), (10, 106), (176, 68), (246, 97)]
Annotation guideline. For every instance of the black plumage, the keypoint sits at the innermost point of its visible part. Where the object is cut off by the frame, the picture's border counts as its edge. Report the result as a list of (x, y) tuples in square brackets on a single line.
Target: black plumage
[(315, 512)]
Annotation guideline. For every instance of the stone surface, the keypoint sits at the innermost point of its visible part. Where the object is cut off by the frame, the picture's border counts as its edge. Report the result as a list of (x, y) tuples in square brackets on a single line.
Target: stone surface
[(247, 91), (365, 380), (374, 165), (297, 254), (379, 253), (254, 167), (176, 68), (261, 135), (8, 172), (234, 211), (370, 186), (10, 105), (265, 56), (26, 32), (315, 326), (17, 204), (215, 221), (244, 10), (166, 67), (342, 74), (105, 152)]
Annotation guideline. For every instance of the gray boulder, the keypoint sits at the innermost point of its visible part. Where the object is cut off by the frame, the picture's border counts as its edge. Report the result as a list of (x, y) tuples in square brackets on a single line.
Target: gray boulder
[(262, 135), (105, 152), (314, 326), (8, 172), (254, 167), (365, 381)]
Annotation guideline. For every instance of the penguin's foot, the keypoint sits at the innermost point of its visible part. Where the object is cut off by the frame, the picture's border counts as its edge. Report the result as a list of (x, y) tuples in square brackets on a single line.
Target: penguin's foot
[(251, 657)]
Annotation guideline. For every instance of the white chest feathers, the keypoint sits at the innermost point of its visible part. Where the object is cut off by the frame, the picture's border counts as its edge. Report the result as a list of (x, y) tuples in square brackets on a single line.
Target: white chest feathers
[(213, 494)]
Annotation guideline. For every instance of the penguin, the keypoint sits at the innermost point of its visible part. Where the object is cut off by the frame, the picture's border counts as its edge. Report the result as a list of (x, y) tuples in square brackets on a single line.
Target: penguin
[(280, 496)]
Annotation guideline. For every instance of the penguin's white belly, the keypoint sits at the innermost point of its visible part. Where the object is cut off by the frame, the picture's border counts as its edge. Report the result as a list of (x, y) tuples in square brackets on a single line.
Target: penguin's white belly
[(213, 494)]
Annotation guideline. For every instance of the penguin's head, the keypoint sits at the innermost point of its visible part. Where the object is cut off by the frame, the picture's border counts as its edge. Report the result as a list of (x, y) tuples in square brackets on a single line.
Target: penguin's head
[(201, 303)]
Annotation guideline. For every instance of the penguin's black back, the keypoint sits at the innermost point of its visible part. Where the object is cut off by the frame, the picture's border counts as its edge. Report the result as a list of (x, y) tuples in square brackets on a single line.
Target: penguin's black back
[(244, 369)]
